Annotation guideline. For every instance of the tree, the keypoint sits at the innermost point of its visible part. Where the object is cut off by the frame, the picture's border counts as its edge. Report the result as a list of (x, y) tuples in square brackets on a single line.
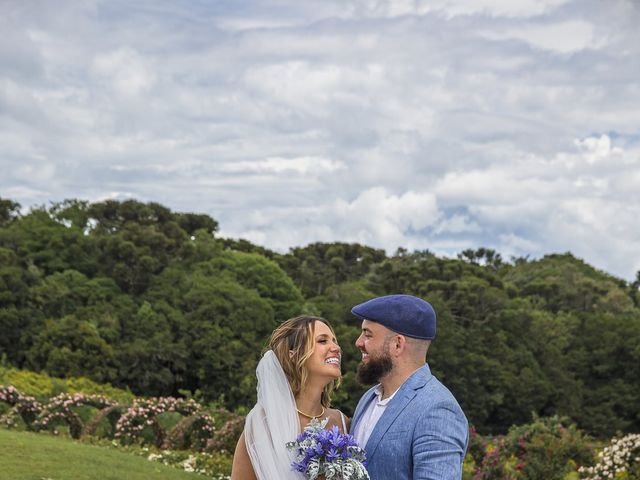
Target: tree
[(634, 290), (9, 211), (482, 256), (69, 347), (320, 265)]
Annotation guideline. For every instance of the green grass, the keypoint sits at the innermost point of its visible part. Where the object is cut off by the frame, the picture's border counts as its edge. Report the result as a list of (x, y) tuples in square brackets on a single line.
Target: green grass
[(29, 456)]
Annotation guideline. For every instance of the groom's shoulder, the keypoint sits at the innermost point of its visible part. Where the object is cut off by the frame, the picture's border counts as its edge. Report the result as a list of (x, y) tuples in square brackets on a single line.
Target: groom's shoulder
[(435, 392)]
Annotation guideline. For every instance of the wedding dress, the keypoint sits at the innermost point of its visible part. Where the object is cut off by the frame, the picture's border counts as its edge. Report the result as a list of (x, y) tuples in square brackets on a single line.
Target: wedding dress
[(272, 423)]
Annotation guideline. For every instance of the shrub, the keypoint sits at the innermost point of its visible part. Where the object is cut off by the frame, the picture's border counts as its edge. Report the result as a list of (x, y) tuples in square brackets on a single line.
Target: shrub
[(29, 383), (545, 449), (64, 408), (17, 407), (143, 415), (619, 460), (227, 436), (191, 432), (41, 386), (215, 465)]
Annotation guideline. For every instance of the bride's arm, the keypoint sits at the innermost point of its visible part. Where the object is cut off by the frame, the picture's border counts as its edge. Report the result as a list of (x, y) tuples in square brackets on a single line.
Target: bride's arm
[(242, 468)]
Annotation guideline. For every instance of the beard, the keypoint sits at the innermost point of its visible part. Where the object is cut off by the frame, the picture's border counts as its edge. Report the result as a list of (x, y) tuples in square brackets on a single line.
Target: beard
[(376, 368)]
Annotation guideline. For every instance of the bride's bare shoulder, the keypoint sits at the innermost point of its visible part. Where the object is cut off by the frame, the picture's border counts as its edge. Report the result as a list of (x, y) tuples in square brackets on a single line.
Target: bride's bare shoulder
[(335, 418)]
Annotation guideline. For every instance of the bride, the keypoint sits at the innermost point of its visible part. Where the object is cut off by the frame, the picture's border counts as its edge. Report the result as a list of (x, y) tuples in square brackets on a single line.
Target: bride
[(296, 377)]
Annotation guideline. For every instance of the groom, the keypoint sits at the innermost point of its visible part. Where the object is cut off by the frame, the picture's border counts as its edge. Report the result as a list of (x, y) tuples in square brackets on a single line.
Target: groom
[(410, 425)]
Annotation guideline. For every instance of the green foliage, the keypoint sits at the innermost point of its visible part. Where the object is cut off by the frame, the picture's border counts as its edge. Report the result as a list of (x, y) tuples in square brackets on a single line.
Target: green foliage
[(9, 211), (41, 385), (136, 295), (260, 274), (227, 435), (620, 459), (565, 283), (216, 464), (146, 299), (546, 449), (320, 265), (507, 349)]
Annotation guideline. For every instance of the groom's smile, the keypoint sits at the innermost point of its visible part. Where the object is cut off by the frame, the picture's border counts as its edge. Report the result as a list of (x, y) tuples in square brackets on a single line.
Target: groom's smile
[(376, 361)]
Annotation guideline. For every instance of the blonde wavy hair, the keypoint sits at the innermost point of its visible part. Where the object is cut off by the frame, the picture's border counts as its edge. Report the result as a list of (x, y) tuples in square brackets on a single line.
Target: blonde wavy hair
[(293, 342)]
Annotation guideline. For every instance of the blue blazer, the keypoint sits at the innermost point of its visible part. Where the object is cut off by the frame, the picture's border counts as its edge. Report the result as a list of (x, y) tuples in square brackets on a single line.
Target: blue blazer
[(422, 434)]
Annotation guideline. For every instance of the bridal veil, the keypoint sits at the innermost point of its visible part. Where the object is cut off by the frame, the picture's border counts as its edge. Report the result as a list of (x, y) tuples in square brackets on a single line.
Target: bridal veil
[(272, 423)]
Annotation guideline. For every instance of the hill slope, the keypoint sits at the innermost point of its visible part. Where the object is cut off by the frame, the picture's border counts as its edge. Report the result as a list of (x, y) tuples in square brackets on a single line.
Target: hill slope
[(28, 456)]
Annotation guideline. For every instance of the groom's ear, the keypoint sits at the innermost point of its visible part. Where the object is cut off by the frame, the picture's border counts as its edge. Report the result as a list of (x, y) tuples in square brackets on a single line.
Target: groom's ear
[(399, 343)]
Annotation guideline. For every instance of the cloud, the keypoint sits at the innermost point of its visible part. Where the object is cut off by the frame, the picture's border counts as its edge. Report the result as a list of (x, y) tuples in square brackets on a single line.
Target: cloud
[(561, 203), (277, 165), (500, 8), (438, 125), (375, 217), (457, 224), (125, 70), (563, 37)]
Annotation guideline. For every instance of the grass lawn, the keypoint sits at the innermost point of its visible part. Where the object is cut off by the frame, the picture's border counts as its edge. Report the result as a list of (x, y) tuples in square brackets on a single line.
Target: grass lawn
[(30, 456)]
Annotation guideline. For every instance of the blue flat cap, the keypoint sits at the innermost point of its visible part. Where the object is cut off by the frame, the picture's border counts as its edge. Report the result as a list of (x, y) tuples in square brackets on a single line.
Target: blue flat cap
[(404, 314)]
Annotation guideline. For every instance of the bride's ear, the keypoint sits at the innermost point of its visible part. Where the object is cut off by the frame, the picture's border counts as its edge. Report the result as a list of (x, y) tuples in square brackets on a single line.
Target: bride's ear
[(291, 352)]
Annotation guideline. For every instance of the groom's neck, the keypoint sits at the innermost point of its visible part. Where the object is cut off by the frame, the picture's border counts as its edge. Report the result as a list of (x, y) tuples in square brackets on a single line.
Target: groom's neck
[(399, 374)]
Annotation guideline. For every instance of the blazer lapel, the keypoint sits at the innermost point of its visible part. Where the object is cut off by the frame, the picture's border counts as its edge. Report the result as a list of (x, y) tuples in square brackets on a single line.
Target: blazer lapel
[(361, 408), (399, 402)]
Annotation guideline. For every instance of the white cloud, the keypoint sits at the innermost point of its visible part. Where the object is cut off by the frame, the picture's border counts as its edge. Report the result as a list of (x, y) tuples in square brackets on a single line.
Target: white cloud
[(441, 124), (562, 203), (597, 148), (564, 37), (375, 217), (457, 224), (315, 89), (125, 69), (397, 213), (300, 165), (511, 244), (503, 8)]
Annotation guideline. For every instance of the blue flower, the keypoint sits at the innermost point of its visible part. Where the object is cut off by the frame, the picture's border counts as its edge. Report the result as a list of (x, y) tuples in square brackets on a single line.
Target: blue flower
[(332, 455), (299, 467), (324, 447)]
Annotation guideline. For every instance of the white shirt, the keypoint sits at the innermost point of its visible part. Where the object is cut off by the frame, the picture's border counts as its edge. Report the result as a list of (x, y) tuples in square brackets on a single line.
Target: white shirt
[(371, 416)]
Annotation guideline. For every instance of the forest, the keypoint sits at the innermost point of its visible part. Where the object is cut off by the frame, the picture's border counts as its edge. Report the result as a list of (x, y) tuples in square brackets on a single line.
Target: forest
[(144, 298)]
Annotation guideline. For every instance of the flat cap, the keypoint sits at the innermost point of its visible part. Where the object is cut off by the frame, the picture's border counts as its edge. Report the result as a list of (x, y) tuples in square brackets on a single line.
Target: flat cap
[(404, 314)]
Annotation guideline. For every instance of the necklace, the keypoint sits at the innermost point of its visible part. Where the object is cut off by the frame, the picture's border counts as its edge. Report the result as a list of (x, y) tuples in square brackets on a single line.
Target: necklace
[(312, 417)]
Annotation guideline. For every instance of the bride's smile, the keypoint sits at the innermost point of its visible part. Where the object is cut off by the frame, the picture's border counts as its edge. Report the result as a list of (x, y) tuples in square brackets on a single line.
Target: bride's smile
[(326, 356)]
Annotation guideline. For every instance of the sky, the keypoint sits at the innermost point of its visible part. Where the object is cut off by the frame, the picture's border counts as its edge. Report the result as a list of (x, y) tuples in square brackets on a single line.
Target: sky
[(440, 124)]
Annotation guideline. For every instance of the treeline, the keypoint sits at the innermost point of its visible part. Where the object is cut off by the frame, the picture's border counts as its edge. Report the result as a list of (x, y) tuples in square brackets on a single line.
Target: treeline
[(139, 296)]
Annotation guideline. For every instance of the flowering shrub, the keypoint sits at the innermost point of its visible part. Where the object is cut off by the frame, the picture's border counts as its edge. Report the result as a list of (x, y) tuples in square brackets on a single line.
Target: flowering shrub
[(22, 406), (213, 465), (111, 414), (620, 459), (226, 437), (127, 424), (545, 449), (192, 432), (59, 410), (143, 413)]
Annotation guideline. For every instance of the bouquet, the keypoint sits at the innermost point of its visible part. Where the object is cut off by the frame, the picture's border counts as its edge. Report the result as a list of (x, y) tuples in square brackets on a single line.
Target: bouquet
[(335, 455)]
